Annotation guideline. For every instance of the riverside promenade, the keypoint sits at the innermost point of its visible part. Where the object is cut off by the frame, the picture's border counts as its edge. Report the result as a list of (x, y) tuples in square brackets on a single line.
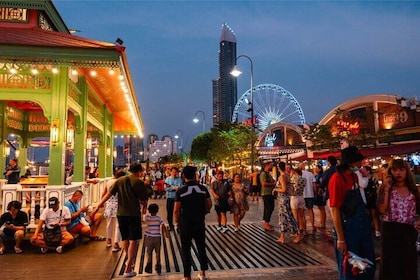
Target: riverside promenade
[(250, 253)]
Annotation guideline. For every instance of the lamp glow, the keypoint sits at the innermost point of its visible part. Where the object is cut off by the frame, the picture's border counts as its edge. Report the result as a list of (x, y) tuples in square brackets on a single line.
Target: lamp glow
[(54, 132)]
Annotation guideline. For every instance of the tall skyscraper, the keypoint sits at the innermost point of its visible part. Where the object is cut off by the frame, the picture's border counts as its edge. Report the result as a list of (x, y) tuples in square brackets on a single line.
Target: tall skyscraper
[(225, 87)]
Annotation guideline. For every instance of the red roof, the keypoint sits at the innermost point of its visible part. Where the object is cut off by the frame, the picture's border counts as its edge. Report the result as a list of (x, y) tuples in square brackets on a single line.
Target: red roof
[(399, 149), (45, 38)]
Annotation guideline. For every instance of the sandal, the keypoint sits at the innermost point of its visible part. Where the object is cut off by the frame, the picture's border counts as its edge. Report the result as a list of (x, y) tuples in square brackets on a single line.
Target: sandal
[(2, 250), (98, 238), (18, 250), (116, 249)]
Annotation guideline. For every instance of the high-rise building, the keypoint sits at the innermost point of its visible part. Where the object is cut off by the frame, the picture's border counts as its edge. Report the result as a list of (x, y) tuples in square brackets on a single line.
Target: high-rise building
[(225, 87)]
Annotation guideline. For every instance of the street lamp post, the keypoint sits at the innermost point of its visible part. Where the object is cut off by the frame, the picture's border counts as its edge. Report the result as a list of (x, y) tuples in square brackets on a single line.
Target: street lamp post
[(182, 138), (196, 120), (236, 72)]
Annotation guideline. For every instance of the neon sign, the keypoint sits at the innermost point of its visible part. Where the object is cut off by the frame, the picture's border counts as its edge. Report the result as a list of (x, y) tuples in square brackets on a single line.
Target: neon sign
[(352, 127)]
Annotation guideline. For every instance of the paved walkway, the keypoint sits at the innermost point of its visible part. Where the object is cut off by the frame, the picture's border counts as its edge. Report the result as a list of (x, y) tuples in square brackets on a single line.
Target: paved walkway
[(317, 246), (93, 260)]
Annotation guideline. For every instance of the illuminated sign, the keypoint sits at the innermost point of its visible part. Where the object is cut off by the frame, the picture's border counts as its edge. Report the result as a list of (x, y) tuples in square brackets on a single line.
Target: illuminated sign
[(352, 127)]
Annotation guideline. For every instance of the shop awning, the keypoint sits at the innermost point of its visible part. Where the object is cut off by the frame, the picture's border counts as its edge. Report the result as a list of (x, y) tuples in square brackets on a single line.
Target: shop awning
[(399, 149)]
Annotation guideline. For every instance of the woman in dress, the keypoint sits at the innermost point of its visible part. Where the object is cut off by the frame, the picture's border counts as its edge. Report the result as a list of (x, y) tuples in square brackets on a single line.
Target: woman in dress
[(240, 203), (286, 221), (111, 206), (399, 202)]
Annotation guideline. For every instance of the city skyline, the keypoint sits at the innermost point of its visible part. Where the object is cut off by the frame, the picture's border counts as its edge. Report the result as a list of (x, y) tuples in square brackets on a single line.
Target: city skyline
[(324, 53)]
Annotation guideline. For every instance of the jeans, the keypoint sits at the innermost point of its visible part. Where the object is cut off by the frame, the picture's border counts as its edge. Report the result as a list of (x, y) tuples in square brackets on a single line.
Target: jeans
[(188, 232), (358, 236)]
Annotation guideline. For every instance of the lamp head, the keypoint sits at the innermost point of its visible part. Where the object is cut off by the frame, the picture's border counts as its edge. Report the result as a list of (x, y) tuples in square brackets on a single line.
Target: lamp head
[(235, 71)]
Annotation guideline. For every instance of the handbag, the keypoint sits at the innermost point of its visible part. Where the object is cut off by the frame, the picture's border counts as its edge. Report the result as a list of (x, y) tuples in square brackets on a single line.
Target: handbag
[(231, 201), (52, 236), (352, 201)]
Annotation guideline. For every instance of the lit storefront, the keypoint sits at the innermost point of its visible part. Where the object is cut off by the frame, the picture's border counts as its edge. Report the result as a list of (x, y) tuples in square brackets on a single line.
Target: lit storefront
[(383, 126)]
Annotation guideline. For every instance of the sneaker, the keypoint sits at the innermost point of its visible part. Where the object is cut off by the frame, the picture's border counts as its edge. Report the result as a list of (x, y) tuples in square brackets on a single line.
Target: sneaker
[(44, 250), (219, 227), (224, 230), (377, 233), (130, 274), (59, 249), (202, 277)]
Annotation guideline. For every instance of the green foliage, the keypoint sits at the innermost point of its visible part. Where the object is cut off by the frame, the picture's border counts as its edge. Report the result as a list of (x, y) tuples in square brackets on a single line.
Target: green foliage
[(200, 147), (224, 143), (321, 137)]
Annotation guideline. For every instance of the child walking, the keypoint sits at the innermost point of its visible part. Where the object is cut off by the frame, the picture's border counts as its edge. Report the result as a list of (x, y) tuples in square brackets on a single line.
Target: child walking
[(154, 229)]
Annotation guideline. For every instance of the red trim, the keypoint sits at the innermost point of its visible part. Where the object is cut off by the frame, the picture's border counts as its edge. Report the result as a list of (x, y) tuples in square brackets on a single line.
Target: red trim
[(399, 149)]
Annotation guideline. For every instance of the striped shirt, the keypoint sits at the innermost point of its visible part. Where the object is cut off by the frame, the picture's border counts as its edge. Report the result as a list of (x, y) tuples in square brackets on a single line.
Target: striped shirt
[(153, 224)]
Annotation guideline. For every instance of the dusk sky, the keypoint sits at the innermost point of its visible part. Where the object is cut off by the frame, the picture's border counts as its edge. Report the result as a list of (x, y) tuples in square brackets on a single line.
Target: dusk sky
[(322, 52)]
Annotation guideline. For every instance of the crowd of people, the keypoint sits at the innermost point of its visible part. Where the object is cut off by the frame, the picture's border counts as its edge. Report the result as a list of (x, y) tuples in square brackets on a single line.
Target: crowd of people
[(388, 211)]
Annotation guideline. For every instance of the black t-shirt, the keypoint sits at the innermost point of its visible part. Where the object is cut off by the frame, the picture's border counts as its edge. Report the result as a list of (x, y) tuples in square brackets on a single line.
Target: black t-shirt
[(193, 197), (20, 220)]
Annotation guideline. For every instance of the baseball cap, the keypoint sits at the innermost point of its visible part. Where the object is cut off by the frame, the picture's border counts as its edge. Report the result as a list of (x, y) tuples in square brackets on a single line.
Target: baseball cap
[(52, 202)]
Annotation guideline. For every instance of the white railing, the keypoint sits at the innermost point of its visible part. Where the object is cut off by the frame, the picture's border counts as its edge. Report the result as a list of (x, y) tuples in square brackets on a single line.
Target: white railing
[(31, 197)]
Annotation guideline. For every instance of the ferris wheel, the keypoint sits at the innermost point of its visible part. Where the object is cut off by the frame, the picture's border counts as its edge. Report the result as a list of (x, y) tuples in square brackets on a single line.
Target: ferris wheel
[(272, 104)]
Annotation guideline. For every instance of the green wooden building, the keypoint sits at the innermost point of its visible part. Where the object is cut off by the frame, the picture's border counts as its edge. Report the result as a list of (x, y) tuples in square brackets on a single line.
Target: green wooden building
[(71, 93)]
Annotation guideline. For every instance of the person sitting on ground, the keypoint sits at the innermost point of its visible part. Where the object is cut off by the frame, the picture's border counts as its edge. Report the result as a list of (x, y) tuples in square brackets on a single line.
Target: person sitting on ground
[(51, 217), (154, 229), (80, 224), (15, 222)]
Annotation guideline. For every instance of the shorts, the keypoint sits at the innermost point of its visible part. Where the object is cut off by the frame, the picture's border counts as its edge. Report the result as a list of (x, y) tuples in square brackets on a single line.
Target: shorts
[(130, 227), (6, 237), (153, 243), (222, 206), (309, 203), (255, 189), (77, 228), (297, 202)]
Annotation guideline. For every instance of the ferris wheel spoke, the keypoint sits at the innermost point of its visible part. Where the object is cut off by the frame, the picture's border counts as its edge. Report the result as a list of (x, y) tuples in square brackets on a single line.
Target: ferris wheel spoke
[(271, 104)]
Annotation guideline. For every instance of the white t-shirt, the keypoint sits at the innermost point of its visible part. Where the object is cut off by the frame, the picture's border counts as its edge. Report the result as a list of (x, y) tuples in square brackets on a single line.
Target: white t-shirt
[(308, 192), (51, 218)]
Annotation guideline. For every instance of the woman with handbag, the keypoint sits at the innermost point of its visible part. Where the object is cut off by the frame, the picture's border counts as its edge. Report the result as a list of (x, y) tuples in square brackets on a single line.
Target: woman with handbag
[(399, 202), (287, 223)]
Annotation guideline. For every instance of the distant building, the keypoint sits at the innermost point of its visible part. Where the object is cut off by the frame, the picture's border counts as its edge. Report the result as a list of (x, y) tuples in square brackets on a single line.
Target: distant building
[(225, 87), (159, 148), (132, 150)]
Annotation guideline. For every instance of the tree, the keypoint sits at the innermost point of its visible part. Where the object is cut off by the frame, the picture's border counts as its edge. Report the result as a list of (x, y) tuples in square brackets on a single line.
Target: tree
[(225, 143), (200, 147)]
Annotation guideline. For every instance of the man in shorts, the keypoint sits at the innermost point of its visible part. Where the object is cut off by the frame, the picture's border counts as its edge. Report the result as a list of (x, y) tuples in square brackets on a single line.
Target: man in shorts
[(80, 224), (132, 194), (220, 190)]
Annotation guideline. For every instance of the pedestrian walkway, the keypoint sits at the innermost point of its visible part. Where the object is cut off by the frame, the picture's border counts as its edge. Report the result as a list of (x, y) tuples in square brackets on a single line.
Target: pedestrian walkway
[(249, 249), (251, 253)]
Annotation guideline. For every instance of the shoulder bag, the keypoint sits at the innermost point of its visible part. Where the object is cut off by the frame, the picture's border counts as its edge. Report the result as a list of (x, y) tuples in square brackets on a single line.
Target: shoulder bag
[(52, 236), (352, 200)]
